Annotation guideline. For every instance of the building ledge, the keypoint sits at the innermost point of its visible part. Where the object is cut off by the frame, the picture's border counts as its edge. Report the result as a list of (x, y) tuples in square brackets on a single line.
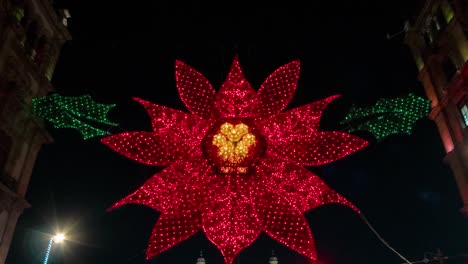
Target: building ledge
[(17, 202)]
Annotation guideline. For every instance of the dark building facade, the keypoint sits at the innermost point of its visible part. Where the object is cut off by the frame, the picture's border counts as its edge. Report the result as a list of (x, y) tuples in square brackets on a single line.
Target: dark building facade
[(31, 36), (438, 39)]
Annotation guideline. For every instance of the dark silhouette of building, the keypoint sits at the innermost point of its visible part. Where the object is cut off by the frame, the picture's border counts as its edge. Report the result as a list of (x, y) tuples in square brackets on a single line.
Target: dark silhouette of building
[(438, 39), (31, 36)]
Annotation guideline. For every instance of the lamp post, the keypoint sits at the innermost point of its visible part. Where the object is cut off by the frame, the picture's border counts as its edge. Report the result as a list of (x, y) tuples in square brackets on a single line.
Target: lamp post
[(59, 238)]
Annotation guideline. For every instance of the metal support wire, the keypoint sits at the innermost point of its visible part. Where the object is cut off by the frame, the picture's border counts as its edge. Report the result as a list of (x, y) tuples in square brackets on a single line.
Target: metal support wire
[(382, 240)]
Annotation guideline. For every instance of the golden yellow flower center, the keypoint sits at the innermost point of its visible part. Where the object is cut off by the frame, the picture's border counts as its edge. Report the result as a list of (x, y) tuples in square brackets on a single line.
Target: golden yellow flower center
[(233, 142)]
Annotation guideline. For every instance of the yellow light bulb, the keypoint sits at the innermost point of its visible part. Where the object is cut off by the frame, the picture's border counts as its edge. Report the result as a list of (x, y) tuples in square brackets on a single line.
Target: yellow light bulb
[(233, 142)]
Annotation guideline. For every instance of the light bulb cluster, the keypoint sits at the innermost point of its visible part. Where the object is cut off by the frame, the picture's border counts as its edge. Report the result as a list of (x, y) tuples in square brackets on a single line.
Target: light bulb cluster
[(264, 188), (233, 142), (389, 116), (80, 112)]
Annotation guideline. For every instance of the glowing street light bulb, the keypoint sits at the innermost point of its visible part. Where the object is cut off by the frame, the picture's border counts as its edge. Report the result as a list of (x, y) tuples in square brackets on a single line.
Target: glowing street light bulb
[(59, 238)]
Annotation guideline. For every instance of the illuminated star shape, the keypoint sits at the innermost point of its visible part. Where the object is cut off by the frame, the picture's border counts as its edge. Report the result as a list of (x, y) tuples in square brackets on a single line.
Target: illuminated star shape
[(235, 162)]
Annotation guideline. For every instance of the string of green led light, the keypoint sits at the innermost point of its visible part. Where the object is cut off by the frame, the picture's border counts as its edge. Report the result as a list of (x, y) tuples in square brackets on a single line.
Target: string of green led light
[(79, 112), (388, 116)]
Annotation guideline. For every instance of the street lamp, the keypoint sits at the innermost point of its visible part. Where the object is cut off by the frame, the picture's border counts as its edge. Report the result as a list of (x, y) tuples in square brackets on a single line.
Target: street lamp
[(58, 238)]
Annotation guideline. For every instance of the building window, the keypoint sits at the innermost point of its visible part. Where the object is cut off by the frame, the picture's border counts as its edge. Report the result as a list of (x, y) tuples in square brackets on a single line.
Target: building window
[(464, 113), (6, 91), (449, 69), (434, 26), (19, 14), (440, 20), (5, 145), (447, 10), (39, 51), (428, 39), (18, 10), (31, 40), (431, 33), (461, 8)]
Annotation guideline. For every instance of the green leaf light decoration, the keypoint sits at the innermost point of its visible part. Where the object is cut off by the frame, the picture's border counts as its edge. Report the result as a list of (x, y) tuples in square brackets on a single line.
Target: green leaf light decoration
[(388, 116), (79, 112)]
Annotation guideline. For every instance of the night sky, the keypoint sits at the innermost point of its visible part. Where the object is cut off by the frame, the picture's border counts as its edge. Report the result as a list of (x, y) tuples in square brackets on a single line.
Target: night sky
[(122, 49)]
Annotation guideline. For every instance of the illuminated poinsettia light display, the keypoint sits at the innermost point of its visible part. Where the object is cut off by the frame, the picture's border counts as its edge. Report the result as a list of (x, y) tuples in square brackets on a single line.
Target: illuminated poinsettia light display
[(235, 163)]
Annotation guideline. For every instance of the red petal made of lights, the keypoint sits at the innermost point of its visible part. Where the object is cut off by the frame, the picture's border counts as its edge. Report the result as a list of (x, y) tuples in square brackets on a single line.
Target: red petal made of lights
[(301, 121), (168, 119), (319, 148), (146, 147), (287, 224), (303, 189), (195, 90), (174, 187), (191, 178), (154, 193), (278, 89), (171, 229), (230, 219), (306, 190), (235, 73), (236, 98)]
